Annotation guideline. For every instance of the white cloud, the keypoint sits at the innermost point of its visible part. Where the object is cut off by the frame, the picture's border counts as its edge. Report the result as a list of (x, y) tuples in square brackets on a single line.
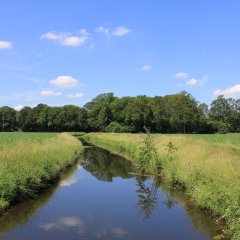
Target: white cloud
[(146, 68), (233, 91), (192, 82), (64, 81), (67, 39), (18, 107), (76, 95), (74, 41), (181, 75), (54, 36), (50, 93), (5, 45), (121, 31), (102, 29)]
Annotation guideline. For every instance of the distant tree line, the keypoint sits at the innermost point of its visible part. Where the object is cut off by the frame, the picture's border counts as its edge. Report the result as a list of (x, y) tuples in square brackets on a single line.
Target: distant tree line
[(177, 113)]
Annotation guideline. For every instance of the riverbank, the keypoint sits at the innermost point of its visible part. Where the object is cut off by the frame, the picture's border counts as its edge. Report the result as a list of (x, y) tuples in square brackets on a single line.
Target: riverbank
[(207, 167), (29, 165)]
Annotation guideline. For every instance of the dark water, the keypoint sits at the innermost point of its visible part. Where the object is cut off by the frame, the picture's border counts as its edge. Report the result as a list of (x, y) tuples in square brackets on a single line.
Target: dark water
[(99, 199)]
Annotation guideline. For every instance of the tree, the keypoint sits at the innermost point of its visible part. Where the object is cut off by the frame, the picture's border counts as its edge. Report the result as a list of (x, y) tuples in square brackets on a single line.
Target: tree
[(99, 111), (226, 114), (8, 119)]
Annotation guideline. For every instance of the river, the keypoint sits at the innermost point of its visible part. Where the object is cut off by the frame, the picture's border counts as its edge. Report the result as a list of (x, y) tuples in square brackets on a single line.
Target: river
[(100, 198)]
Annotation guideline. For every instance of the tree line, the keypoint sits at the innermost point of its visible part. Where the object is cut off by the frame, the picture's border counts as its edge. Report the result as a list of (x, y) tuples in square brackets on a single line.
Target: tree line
[(176, 113)]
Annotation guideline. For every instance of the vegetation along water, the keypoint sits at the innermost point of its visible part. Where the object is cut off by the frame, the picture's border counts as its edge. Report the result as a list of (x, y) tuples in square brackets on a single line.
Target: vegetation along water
[(99, 197), (206, 167), (29, 162)]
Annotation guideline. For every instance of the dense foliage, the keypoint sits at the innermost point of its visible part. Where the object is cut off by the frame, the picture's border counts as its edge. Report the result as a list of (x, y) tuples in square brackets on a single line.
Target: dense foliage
[(177, 113)]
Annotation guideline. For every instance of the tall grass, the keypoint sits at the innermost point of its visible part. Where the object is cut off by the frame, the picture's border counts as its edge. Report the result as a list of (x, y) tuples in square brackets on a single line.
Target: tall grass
[(209, 171), (27, 166)]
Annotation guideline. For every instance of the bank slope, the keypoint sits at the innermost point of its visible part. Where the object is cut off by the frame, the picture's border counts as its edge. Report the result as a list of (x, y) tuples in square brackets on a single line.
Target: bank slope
[(28, 166), (209, 171)]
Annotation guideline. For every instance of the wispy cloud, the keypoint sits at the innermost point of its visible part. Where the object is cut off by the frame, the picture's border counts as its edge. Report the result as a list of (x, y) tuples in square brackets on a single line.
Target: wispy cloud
[(181, 75), (192, 82), (50, 93), (117, 32), (76, 95), (5, 45), (104, 30), (121, 31), (23, 96), (233, 91), (68, 39), (65, 81), (30, 79), (146, 68)]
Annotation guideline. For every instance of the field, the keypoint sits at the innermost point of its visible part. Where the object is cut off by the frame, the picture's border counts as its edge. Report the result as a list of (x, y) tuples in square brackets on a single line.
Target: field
[(13, 137), (29, 162), (207, 167)]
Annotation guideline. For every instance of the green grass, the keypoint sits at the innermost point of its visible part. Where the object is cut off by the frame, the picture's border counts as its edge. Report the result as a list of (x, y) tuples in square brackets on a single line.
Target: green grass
[(13, 137), (29, 162), (207, 167), (230, 138)]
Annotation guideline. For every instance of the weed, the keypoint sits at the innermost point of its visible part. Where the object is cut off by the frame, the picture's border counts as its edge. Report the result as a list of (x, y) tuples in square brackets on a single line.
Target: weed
[(171, 148)]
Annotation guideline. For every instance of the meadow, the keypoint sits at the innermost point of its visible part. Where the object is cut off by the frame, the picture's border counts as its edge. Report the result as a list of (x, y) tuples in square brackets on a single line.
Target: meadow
[(14, 137), (206, 167), (29, 162)]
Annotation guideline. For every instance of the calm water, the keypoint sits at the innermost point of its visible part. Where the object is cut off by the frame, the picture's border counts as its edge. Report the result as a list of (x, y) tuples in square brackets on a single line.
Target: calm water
[(99, 199)]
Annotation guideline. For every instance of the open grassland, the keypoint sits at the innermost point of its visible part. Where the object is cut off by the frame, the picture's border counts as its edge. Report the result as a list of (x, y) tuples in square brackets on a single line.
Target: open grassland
[(30, 161), (14, 137), (207, 167)]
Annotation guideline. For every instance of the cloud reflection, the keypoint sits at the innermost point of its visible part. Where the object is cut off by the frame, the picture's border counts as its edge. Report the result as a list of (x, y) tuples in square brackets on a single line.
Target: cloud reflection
[(65, 223), (69, 181), (116, 232)]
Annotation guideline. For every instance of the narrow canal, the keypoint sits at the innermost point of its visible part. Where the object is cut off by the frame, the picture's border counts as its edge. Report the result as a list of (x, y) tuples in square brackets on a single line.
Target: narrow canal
[(99, 198)]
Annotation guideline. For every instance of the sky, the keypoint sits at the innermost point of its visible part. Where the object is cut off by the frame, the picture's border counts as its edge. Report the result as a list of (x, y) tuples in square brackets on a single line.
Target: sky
[(63, 52)]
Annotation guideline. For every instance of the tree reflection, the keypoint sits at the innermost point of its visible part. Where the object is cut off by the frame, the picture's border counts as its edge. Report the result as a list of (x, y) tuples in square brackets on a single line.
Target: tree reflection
[(147, 196), (104, 165), (170, 202)]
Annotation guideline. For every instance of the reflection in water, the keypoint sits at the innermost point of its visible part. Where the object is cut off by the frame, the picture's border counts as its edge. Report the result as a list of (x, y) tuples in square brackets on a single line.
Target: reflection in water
[(170, 202), (65, 222), (104, 165), (70, 209), (115, 232), (69, 181), (22, 213), (147, 196)]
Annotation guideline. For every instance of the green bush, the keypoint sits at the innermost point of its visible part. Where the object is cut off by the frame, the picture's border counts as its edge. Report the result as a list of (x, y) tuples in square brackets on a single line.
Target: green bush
[(118, 128)]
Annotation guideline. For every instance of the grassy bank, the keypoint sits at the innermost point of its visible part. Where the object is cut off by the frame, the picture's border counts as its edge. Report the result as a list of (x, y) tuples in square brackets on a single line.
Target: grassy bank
[(207, 167), (31, 161)]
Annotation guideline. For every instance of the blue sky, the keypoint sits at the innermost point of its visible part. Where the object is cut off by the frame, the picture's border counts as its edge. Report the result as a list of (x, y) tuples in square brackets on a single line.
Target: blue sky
[(67, 52)]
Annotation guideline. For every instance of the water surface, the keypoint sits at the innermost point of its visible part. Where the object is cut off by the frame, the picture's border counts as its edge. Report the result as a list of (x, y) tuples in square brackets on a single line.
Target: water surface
[(99, 198)]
